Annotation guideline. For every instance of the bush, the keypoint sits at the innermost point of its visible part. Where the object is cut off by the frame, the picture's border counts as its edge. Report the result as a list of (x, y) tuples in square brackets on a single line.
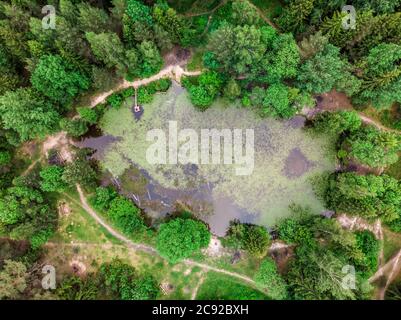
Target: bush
[(369, 246), (251, 238), (74, 128), (179, 238), (88, 114), (122, 280), (115, 100), (126, 216), (39, 238), (5, 158), (269, 279), (52, 179), (103, 197)]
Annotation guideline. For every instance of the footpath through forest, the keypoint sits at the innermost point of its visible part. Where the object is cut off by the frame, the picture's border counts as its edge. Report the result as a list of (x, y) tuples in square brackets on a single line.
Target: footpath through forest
[(149, 249)]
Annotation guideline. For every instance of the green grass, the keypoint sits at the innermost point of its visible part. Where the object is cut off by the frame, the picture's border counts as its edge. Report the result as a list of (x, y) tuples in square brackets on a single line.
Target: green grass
[(222, 287), (78, 225)]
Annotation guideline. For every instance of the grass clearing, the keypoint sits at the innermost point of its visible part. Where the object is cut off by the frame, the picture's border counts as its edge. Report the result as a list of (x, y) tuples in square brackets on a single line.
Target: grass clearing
[(218, 286)]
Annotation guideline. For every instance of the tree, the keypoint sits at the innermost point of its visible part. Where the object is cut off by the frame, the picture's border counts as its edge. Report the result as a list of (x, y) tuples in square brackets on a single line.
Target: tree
[(121, 279), (317, 275), (103, 197), (19, 202), (74, 128), (170, 21), (88, 114), (311, 45), (283, 60), (28, 114), (58, 80), (5, 158), (107, 47), (232, 90), (337, 122), (268, 278), (237, 49), (75, 288), (326, 71), (179, 238), (245, 13), (368, 196), (92, 19), (251, 238), (13, 279), (294, 16), (276, 102), (373, 147), (126, 216), (208, 86), (52, 179), (151, 61), (80, 171), (382, 77)]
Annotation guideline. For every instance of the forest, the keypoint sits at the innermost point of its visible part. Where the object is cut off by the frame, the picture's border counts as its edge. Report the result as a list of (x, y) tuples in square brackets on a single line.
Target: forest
[(276, 59)]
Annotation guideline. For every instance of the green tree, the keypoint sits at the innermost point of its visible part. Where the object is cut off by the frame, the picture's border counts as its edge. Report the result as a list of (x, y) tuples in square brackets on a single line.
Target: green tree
[(52, 179), (381, 74), (368, 196), (268, 278), (179, 238), (245, 13), (13, 279), (122, 279), (88, 114), (126, 216), (103, 197), (337, 122), (80, 171), (283, 59), (93, 19), (151, 61), (373, 147), (251, 238), (26, 113), (325, 71), (58, 80), (17, 203), (232, 90), (74, 128), (107, 47)]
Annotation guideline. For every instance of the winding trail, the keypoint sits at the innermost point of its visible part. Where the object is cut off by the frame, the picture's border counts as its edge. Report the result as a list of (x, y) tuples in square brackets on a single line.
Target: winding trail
[(149, 249)]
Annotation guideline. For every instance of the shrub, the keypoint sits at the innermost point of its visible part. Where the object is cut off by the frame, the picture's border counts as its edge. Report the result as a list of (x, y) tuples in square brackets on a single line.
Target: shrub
[(126, 216), (269, 279), (179, 238)]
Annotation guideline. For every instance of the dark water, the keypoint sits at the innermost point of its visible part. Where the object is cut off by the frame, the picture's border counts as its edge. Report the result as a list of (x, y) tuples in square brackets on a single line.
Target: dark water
[(99, 144), (297, 164), (158, 201)]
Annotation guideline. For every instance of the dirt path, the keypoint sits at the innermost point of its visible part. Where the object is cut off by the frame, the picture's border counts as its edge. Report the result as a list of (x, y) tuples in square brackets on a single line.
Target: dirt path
[(174, 72), (368, 120), (195, 292), (358, 223), (392, 269), (149, 249)]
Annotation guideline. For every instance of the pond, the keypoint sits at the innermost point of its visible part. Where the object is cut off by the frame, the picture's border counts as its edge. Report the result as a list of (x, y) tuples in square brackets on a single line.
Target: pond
[(286, 157)]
